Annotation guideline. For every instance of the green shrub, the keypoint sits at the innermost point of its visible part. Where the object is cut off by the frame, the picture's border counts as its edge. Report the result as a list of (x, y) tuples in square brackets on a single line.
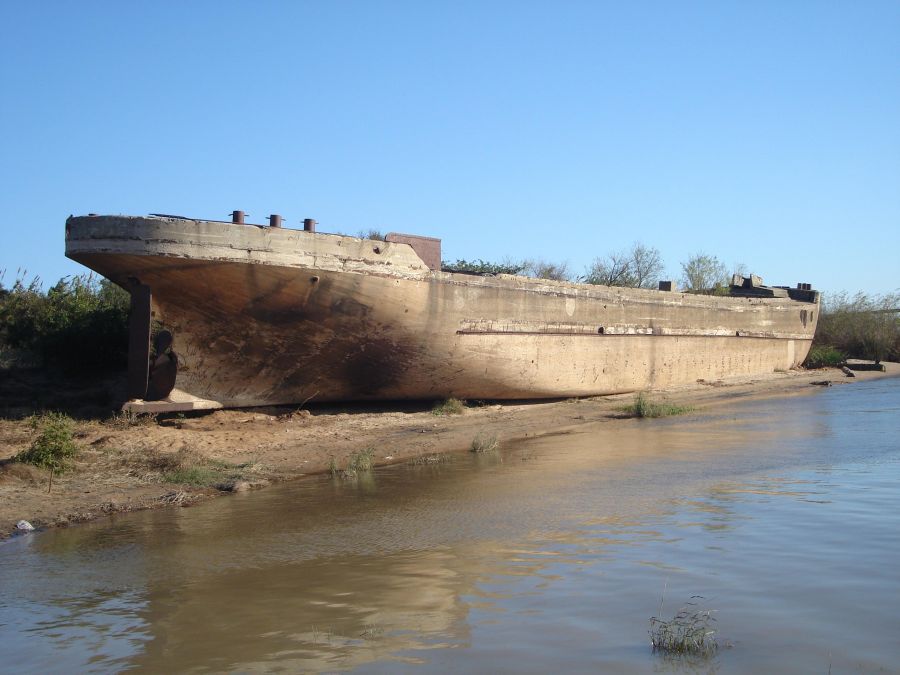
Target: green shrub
[(54, 445), (484, 268), (644, 407), (80, 324), (822, 356), (452, 406), (861, 326), (371, 234), (705, 274), (536, 268)]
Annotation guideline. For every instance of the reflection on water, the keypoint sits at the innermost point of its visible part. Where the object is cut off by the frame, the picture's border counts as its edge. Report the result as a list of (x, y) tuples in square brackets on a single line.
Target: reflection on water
[(550, 554)]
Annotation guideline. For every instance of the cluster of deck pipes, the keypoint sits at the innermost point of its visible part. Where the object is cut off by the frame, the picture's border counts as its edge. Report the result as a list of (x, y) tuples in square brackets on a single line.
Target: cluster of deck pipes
[(309, 225)]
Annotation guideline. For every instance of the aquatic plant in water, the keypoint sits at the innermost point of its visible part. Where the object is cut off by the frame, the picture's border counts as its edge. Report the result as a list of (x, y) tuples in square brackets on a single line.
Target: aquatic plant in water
[(689, 632), (485, 443), (433, 458), (358, 462)]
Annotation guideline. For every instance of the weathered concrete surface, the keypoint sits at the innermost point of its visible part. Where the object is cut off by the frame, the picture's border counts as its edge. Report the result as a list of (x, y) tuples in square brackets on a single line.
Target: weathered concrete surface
[(263, 316)]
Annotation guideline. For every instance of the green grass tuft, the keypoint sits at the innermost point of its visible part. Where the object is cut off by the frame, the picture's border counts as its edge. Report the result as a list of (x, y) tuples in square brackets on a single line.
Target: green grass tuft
[(187, 468), (54, 445), (199, 476), (823, 356), (452, 406), (644, 407), (359, 462)]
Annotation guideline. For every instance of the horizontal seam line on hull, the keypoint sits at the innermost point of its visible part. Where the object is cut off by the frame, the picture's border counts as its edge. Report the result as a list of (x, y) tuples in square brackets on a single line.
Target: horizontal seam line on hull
[(612, 335)]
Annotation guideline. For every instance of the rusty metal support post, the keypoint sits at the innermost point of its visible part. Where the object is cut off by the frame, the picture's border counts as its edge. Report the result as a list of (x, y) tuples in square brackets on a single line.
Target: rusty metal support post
[(274, 220), (237, 217), (309, 225), (138, 340)]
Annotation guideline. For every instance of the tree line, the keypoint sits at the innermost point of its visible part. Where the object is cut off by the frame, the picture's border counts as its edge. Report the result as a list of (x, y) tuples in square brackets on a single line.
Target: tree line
[(79, 324), (639, 266)]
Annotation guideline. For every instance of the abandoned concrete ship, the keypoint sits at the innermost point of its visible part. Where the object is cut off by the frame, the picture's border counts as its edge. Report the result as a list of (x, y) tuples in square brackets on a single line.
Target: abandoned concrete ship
[(250, 315)]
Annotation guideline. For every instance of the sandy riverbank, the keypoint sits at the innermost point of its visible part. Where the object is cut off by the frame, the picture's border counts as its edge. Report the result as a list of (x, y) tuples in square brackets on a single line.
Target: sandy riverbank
[(126, 465)]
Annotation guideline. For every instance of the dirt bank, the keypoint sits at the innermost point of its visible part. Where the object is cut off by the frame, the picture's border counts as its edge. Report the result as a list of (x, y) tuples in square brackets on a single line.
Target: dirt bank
[(125, 465)]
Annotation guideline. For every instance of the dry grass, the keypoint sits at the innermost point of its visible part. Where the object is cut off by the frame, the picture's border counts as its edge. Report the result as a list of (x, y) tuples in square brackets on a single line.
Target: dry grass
[(485, 443), (125, 419), (188, 468)]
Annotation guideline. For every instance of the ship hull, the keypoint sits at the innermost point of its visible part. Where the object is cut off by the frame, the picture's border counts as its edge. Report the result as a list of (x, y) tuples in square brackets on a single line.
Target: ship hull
[(263, 317)]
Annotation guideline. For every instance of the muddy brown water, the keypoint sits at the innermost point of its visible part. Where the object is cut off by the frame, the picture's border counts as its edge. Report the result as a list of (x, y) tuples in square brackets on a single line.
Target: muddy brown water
[(550, 555)]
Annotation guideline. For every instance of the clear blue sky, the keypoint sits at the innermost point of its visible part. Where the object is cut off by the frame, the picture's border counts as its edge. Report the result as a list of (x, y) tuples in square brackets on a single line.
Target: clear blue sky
[(765, 133)]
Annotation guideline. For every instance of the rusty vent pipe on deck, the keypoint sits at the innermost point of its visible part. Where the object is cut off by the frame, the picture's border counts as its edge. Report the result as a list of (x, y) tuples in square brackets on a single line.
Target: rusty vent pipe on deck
[(237, 217), (309, 225), (274, 220)]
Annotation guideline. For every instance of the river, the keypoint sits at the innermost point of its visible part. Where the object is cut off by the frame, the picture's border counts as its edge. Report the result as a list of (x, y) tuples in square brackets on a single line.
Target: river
[(548, 555)]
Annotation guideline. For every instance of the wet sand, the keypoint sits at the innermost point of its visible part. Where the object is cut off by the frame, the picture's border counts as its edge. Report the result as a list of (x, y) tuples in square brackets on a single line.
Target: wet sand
[(126, 466)]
